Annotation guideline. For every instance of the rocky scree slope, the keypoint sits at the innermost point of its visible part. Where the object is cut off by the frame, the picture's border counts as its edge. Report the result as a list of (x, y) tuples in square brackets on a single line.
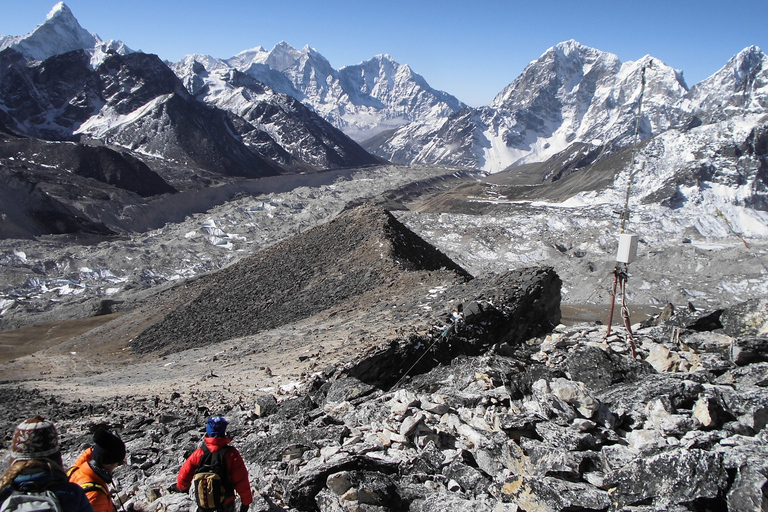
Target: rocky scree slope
[(54, 278), (360, 251), (564, 421)]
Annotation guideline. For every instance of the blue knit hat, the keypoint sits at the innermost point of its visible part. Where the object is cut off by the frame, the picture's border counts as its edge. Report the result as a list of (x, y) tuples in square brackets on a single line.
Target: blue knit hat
[(216, 426)]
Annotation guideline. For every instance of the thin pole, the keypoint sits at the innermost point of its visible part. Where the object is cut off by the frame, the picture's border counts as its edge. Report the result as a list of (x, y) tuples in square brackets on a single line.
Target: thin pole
[(613, 302), (625, 213)]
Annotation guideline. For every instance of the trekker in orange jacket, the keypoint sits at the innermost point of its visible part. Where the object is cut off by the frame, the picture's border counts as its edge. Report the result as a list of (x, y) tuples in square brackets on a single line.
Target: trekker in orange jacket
[(216, 439), (93, 469)]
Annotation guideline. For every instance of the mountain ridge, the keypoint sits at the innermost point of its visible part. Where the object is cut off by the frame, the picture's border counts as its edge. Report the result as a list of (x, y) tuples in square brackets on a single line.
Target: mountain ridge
[(572, 93), (363, 251), (206, 122)]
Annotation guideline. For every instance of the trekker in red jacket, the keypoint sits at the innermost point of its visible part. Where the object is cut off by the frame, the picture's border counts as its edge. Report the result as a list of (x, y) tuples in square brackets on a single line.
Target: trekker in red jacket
[(215, 440)]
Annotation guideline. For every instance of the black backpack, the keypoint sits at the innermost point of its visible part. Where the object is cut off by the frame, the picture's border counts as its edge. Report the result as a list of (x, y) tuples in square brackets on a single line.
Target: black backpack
[(211, 483)]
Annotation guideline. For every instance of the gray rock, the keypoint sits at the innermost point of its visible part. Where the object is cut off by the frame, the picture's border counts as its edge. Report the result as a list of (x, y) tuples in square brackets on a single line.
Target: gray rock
[(629, 401), (327, 501), (617, 456), (599, 369), (565, 437), (710, 410), (301, 490), (471, 479), (745, 351), (748, 492), (428, 462), (549, 460), (443, 502), (553, 494), (749, 318), (672, 477), (265, 405), (347, 389)]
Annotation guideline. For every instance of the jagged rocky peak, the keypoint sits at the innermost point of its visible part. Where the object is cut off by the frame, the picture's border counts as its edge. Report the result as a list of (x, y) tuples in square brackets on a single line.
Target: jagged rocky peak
[(739, 87), (59, 33), (362, 100), (571, 94), (561, 69), (284, 57), (384, 79), (661, 80)]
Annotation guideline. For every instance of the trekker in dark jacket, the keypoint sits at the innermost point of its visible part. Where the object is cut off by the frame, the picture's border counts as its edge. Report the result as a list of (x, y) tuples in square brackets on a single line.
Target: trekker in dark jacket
[(216, 439), (36, 465)]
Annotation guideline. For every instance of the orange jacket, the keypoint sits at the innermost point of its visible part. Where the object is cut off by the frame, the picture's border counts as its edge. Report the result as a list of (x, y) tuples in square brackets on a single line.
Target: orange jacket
[(236, 470), (83, 475)]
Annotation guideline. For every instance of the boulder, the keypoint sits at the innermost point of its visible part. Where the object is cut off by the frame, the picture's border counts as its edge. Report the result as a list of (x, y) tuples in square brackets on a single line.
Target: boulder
[(747, 319), (670, 477), (749, 492), (552, 494)]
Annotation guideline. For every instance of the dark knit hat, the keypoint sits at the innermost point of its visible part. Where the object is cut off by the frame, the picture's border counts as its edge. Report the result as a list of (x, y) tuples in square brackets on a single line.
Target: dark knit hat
[(35, 438), (107, 448), (216, 426)]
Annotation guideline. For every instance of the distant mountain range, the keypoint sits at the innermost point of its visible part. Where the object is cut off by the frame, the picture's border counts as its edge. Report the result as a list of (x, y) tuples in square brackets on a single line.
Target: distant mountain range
[(261, 113), (576, 94)]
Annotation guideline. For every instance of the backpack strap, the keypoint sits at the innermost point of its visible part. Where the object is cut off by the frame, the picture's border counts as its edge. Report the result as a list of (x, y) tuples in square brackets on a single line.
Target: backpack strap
[(90, 486), (93, 487)]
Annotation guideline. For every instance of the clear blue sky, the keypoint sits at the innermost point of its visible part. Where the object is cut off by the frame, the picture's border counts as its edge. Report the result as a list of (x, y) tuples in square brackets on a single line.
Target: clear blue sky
[(471, 48)]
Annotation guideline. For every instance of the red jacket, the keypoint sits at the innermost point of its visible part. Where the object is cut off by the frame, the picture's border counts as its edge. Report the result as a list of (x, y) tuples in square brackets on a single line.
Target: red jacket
[(236, 470)]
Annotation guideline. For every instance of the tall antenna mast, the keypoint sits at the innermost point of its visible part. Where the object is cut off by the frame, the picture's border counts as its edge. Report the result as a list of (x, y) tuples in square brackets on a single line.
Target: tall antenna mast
[(627, 243)]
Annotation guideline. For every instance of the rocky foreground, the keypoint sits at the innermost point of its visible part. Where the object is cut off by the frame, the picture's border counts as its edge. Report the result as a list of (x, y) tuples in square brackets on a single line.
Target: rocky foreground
[(561, 422)]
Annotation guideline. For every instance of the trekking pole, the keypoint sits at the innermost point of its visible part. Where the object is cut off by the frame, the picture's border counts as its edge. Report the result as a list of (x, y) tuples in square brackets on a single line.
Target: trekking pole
[(118, 487)]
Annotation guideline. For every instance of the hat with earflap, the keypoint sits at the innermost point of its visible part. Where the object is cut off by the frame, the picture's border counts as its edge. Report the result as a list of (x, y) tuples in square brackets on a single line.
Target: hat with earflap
[(107, 448), (216, 427), (34, 439)]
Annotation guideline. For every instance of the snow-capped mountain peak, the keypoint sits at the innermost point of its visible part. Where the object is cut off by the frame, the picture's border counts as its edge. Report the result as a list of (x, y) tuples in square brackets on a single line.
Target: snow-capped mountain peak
[(246, 57), (741, 86), (361, 100), (60, 10), (572, 93), (59, 33), (560, 70)]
